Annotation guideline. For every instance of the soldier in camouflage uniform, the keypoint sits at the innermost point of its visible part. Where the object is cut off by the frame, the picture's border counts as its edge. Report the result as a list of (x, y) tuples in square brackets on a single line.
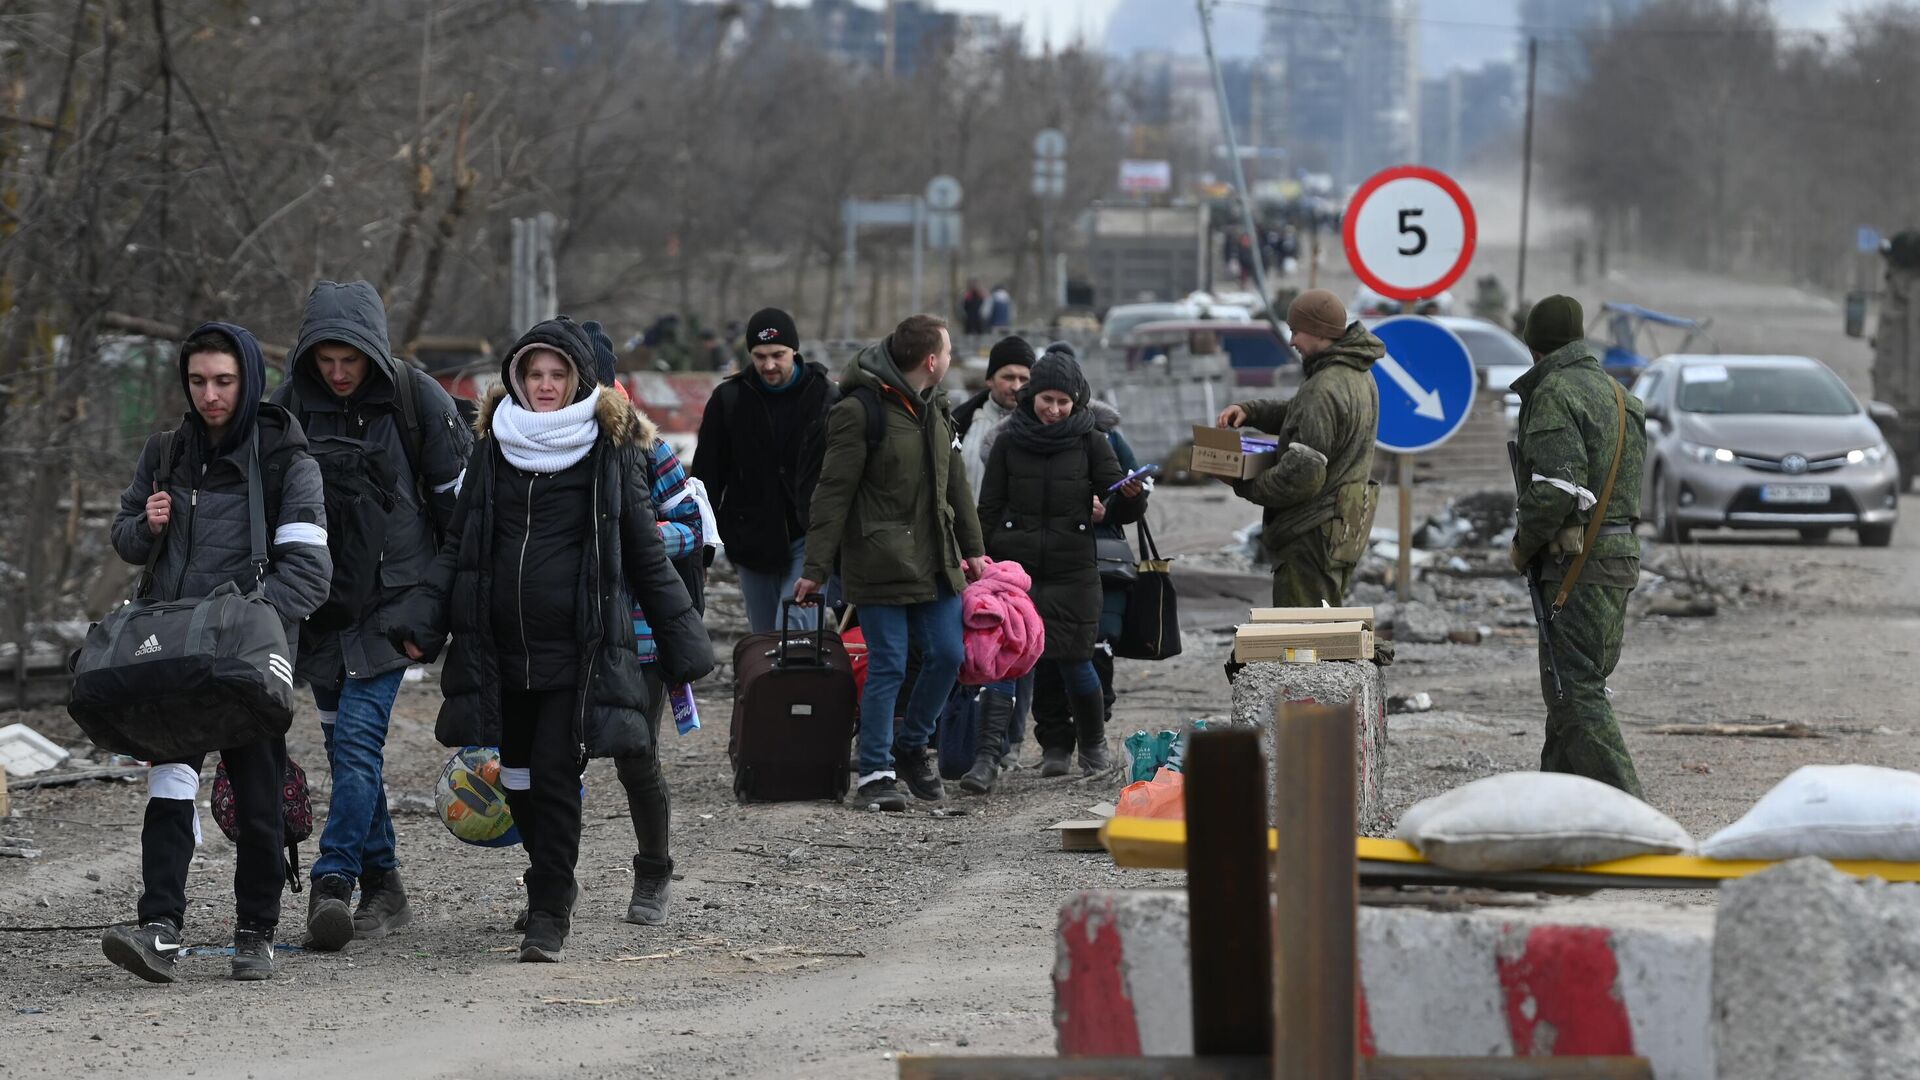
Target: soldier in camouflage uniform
[(1569, 426), (1319, 494)]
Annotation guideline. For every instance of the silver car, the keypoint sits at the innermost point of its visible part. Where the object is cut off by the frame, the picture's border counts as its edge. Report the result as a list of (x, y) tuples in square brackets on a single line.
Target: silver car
[(1763, 442)]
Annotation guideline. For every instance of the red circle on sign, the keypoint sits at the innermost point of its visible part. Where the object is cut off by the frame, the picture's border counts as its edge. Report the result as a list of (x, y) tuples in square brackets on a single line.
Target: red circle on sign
[(1351, 221)]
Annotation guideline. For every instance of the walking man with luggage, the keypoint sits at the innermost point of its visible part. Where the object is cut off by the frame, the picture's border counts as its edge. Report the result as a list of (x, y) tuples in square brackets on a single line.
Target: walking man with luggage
[(193, 499), (1319, 494), (893, 508), (358, 405), (1582, 445), (761, 442)]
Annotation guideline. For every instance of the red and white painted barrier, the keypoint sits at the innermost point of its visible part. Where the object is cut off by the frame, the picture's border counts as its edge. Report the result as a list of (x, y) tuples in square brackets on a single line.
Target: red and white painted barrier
[(1567, 979)]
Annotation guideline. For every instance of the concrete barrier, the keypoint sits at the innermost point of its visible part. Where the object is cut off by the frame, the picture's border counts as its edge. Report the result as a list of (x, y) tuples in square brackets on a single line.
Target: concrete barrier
[(1816, 973), (1259, 689), (1565, 979)]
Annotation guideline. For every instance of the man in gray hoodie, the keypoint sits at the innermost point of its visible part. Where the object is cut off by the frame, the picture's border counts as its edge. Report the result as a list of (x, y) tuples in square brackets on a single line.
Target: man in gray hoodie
[(355, 399)]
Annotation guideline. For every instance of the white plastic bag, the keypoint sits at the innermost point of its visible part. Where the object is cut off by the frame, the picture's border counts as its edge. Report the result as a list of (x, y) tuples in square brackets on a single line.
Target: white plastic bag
[(1830, 812), (1529, 820)]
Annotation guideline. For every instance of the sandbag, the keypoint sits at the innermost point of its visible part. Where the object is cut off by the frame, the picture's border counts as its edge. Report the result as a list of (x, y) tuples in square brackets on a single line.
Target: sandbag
[(1530, 820), (1830, 812)]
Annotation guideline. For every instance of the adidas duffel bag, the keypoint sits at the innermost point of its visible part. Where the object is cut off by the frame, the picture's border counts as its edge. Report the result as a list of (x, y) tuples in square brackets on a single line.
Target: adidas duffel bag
[(162, 680)]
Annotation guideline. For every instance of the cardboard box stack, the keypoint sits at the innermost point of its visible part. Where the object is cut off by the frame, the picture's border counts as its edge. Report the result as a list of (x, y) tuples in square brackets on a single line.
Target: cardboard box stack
[(1299, 635)]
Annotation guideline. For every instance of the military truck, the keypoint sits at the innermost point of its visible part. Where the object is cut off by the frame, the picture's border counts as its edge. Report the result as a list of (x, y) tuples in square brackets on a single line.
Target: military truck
[(1896, 353)]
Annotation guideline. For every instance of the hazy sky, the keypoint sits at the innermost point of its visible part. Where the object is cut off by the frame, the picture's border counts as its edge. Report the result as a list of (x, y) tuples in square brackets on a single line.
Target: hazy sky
[(1453, 32)]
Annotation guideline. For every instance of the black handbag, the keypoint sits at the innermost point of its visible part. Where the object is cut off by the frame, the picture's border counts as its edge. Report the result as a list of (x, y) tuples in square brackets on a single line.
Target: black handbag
[(1118, 569), (1150, 629), (159, 680)]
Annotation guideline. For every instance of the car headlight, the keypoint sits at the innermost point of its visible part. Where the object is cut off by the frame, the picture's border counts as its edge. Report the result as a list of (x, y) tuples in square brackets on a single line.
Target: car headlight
[(1872, 455), (1705, 454)]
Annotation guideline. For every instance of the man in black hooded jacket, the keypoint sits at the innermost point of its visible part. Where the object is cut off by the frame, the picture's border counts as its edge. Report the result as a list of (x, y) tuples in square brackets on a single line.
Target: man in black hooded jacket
[(343, 383), (202, 520)]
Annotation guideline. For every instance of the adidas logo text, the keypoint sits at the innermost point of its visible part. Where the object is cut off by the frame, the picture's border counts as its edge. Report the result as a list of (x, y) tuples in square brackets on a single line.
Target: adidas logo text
[(149, 646)]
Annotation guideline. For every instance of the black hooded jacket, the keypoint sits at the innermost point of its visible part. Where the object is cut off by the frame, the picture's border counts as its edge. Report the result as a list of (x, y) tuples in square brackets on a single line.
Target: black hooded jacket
[(209, 538), (352, 314), (759, 456), (582, 591)]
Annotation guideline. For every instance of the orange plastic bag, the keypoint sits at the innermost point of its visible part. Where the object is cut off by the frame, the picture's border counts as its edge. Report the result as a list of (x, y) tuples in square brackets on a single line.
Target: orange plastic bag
[(1164, 797)]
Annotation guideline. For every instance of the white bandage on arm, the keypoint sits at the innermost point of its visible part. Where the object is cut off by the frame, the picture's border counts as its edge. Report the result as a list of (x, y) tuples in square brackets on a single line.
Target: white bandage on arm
[(516, 779), (1581, 496), (299, 532), (176, 781)]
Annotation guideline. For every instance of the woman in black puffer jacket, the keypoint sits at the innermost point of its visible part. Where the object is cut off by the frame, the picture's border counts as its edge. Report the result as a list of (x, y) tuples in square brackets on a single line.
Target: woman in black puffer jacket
[(552, 546), (1049, 482)]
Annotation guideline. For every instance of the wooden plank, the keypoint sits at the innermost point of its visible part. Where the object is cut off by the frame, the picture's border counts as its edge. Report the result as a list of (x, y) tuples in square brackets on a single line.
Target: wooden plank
[(1316, 892), (1227, 890), (5, 808), (1362, 615), (1143, 844), (74, 776), (1258, 1068)]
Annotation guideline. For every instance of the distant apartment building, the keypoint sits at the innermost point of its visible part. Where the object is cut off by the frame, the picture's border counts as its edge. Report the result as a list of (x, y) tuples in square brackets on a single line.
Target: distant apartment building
[(1350, 88), (1464, 114)]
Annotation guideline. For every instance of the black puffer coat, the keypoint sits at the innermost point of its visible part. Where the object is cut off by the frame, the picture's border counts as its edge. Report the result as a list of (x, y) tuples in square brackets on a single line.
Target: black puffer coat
[(1036, 509), (625, 564)]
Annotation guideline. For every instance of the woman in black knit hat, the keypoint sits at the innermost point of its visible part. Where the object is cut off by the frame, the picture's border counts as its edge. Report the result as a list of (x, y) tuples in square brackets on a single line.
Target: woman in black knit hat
[(1049, 481)]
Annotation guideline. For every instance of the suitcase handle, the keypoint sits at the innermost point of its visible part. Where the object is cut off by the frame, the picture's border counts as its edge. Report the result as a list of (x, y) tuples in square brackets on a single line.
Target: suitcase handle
[(819, 655)]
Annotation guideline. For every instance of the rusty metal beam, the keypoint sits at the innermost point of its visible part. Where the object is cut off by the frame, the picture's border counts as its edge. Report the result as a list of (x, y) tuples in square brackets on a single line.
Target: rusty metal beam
[(1229, 895), (1316, 890)]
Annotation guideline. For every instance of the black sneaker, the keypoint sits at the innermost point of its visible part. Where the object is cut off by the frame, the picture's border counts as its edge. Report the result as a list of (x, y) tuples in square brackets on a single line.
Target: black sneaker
[(546, 940), (252, 955), (147, 950), (648, 906), (880, 794), (383, 905), (520, 920), (922, 774), (329, 919)]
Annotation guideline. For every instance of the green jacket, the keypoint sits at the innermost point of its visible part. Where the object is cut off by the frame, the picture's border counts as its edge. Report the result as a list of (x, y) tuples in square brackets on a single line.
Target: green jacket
[(1336, 414), (899, 519), (1569, 421)]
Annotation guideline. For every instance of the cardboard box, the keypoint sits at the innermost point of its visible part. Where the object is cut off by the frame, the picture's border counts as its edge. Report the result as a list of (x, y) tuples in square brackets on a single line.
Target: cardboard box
[(1361, 615), (1217, 452), (1329, 641)]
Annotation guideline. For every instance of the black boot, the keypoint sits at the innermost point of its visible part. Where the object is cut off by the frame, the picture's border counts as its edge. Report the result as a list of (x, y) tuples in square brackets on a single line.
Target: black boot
[(996, 713), (546, 939), (651, 883), (1090, 731), (329, 916), (252, 954), (383, 905)]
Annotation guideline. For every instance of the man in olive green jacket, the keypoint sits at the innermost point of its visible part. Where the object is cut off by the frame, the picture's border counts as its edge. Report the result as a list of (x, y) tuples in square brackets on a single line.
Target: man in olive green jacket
[(1571, 417), (893, 508), (1319, 494)]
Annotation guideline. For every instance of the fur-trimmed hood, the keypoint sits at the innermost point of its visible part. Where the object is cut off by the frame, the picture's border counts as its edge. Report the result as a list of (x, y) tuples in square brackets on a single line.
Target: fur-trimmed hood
[(1105, 416), (620, 419)]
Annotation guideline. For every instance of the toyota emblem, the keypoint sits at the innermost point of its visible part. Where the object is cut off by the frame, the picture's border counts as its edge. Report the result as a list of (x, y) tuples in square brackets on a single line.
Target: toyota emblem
[(1794, 464)]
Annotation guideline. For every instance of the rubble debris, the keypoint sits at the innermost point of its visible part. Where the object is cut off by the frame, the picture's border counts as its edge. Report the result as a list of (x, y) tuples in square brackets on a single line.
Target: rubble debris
[(1785, 729), (1683, 607), (1410, 703), (24, 751), (1420, 624)]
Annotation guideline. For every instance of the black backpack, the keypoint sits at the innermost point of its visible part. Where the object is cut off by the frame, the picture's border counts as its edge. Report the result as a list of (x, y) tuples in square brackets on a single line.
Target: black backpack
[(359, 491)]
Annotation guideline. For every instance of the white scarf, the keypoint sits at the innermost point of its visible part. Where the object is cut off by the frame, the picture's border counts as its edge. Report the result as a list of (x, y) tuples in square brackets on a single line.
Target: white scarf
[(546, 442)]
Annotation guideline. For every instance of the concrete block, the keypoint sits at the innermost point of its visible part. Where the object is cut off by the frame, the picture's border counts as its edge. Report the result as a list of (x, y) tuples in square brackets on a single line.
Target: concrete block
[(1816, 973), (1564, 979), (1259, 688)]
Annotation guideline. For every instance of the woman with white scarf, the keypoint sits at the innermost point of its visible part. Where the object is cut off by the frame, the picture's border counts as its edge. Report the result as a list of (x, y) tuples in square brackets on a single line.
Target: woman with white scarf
[(552, 546)]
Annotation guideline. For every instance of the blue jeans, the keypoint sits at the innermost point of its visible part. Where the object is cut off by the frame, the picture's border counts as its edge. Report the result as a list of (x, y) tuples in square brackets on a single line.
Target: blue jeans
[(1079, 675), (358, 839), (935, 627), (763, 593)]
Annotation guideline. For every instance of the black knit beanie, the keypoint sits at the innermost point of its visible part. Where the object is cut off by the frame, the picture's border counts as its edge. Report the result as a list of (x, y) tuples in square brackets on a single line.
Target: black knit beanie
[(771, 326), (1554, 322), (1009, 350), (1057, 371), (604, 360), (1063, 348)]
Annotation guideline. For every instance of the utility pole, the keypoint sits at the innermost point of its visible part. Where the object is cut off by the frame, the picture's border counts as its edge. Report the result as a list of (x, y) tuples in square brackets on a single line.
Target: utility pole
[(1239, 173), (892, 34), (1526, 174)]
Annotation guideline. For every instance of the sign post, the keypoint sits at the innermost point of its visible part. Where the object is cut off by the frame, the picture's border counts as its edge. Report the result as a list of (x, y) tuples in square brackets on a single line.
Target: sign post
[(1410, 234), (1049, 186)]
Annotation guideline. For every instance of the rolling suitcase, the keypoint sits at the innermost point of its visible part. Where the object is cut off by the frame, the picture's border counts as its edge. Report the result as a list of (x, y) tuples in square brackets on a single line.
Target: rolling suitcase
[(793, 715)]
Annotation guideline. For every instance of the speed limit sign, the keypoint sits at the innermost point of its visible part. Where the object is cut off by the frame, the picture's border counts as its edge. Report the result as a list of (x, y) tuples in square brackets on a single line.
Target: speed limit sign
[(1409, 232)]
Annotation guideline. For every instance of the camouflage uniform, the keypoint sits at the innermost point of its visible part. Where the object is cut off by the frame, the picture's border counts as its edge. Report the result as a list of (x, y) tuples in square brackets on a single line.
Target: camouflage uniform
[(1568, 426), (1319, 495)]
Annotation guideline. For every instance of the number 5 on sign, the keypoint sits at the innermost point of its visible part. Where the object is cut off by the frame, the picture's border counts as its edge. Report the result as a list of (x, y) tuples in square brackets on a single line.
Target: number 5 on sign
[(1409, 233)]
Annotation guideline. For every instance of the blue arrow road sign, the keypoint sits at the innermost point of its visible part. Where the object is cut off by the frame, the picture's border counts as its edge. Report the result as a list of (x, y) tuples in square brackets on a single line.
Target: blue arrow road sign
[(1426, 381)]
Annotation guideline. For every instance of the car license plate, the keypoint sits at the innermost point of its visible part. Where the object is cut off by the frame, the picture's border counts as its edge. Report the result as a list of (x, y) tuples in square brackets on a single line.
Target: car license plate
[(1795, 493)]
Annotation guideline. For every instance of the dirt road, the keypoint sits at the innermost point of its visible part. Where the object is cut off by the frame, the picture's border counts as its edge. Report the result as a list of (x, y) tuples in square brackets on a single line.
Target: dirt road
[(815, 941)]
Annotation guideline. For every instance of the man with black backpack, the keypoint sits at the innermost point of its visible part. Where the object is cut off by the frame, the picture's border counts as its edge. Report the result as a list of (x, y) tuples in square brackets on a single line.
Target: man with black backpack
[(391, 447), (234, 479)]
